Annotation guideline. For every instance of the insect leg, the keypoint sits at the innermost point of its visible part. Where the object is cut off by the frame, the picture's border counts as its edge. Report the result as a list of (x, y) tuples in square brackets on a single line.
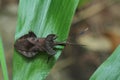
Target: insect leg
[(49, 57)]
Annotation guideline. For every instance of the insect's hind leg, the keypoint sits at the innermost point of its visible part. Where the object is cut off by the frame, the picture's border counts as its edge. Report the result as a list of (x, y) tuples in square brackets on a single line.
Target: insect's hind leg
[(49, 57)]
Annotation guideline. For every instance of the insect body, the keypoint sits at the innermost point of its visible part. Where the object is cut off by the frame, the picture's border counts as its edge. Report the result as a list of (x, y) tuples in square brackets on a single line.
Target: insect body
[(29, 45)]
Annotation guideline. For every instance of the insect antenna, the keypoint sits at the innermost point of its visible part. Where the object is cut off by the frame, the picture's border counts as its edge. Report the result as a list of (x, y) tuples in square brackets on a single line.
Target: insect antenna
[(67, 43)]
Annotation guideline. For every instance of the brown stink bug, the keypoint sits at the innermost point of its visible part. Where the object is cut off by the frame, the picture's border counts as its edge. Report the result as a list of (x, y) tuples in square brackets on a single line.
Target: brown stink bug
[(29, 45)]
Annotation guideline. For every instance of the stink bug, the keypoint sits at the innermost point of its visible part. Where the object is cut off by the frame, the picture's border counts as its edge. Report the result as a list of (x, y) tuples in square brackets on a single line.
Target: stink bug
[(29, 45)]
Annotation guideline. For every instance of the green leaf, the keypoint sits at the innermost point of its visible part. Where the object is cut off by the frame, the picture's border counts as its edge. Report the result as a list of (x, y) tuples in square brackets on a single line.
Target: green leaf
[(3, 62), (43, 17), (110, 69)]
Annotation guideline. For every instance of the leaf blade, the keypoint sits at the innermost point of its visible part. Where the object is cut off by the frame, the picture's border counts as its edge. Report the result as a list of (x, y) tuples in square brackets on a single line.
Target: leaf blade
[(47, 16), (109, 70), (3, 61)]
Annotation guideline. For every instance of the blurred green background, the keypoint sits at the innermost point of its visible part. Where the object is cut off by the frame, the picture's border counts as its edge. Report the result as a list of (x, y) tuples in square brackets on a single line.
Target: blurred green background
[(100, 16)]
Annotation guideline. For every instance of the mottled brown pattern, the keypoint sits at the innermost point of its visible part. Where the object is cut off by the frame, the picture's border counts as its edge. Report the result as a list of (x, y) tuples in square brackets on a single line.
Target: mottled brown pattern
[(29, 45)]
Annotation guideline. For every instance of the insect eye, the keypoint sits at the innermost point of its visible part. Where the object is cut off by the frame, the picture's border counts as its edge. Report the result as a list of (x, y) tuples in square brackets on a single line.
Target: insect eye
[(51, 37)]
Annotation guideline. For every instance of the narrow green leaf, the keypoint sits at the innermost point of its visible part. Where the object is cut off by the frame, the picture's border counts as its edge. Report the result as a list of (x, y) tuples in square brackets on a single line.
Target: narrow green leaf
[(110, 69), (3, 62), (43, 17)]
